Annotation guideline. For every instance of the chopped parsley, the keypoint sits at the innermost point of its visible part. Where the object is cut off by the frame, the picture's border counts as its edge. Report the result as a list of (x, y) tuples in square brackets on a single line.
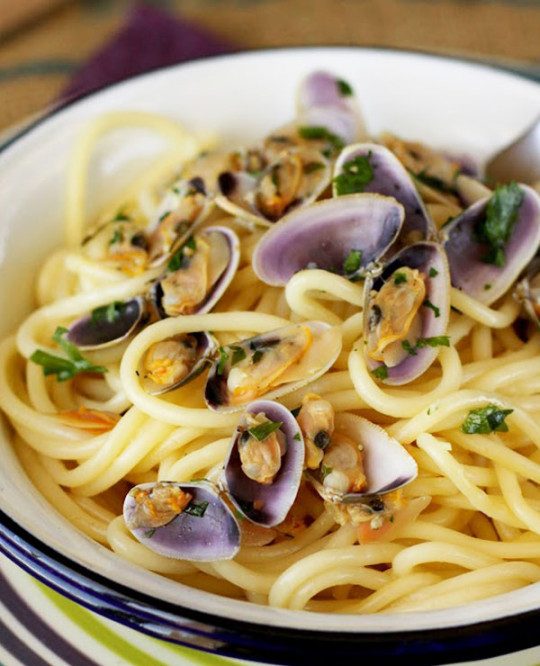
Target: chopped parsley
[(297, 437), (428, 304), (495, 229), (223, 358), (197, 509), (433, 272), (239, 354), (485, 420), (410, 349), (314, 132), (149, 533), (355, 175), (64, 368), (181, 258), (109, 313), (345, 89), (120, 217), (381, 372), (259, 353), (352, 262), (487, 286), (436, 341), (264, 430), (310, 167), (400, 278), (117, 237), (164, 215), (325, 471), (433, 181)]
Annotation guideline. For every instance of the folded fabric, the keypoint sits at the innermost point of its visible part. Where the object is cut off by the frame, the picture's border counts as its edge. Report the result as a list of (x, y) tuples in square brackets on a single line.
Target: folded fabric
[(149, 39)]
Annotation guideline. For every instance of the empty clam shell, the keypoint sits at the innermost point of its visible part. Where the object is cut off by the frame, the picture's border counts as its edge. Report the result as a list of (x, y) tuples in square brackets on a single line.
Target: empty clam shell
[(369, 167), (271, 364), (187, 521), (108, 325), (386, 464), (412, 349), (468, 255), (267, 503), (324, 234)]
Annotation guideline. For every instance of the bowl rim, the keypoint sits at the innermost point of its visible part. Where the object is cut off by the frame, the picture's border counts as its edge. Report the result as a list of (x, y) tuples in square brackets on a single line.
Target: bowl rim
[(142, 611)]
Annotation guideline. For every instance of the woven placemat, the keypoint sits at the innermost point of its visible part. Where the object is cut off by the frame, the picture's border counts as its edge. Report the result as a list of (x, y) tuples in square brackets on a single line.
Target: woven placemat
[(39, 55)]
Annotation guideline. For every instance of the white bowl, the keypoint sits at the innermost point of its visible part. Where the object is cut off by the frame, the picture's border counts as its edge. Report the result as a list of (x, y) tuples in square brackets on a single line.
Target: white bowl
[(459, 106)]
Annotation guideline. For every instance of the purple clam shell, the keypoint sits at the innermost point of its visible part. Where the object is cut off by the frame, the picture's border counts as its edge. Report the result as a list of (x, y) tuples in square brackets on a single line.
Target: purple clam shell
[(324, 233), (220, 285), (391, 179), (211, 537), (422, 256), (320, 89), (87, 333), (277, 497), (467, 270)]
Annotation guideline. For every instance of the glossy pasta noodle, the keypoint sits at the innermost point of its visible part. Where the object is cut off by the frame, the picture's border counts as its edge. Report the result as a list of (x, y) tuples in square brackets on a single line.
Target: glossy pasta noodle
[(466, 528)]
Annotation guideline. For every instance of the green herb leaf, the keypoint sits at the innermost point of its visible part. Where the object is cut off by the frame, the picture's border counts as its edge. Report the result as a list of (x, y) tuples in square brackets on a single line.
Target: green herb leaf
[(429, 304), (239, 354), (264, 430), (223, 358), (436, 341), (164, 215), (433, 272), (318, 132), (197, 509), (345, 89), (310, 167), (120, 217), (109, 313), (380, 372), (409, 348), (325, 471), (356, 174), (433, 181), (400, 278), (181, 258), (117, 237), (149, 533), (487, 286), (485, 420), (297, 437), (496, 227), (352, 262), (64, 368)]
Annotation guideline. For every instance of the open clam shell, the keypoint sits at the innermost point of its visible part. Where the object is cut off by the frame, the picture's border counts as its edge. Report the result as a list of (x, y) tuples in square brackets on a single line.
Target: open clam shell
[(271, 364), (205, 529), (387, 465), (324, 234), (221, 265), (388, 177), (266, 504), (430, 321), (108, 325), (176, 361), (467, 254), (295, 178)]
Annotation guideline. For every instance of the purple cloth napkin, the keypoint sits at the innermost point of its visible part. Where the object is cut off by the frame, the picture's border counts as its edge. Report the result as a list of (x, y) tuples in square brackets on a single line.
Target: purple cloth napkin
[(149, 39)]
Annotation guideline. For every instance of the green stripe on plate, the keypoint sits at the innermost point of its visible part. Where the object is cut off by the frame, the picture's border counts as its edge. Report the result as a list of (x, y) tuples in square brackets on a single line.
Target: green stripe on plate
[(85, 620)]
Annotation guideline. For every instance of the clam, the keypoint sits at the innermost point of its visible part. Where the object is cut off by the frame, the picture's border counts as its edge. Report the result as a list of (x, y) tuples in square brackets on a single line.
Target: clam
[(346, 235), (108, 324), (368, 167), (264, 465), (271, 364), (174, 362), (120, 242), (491, 242), (406, 313), (197, 274), (527, 291), (361, 464), (295, 178), (187, 521)]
